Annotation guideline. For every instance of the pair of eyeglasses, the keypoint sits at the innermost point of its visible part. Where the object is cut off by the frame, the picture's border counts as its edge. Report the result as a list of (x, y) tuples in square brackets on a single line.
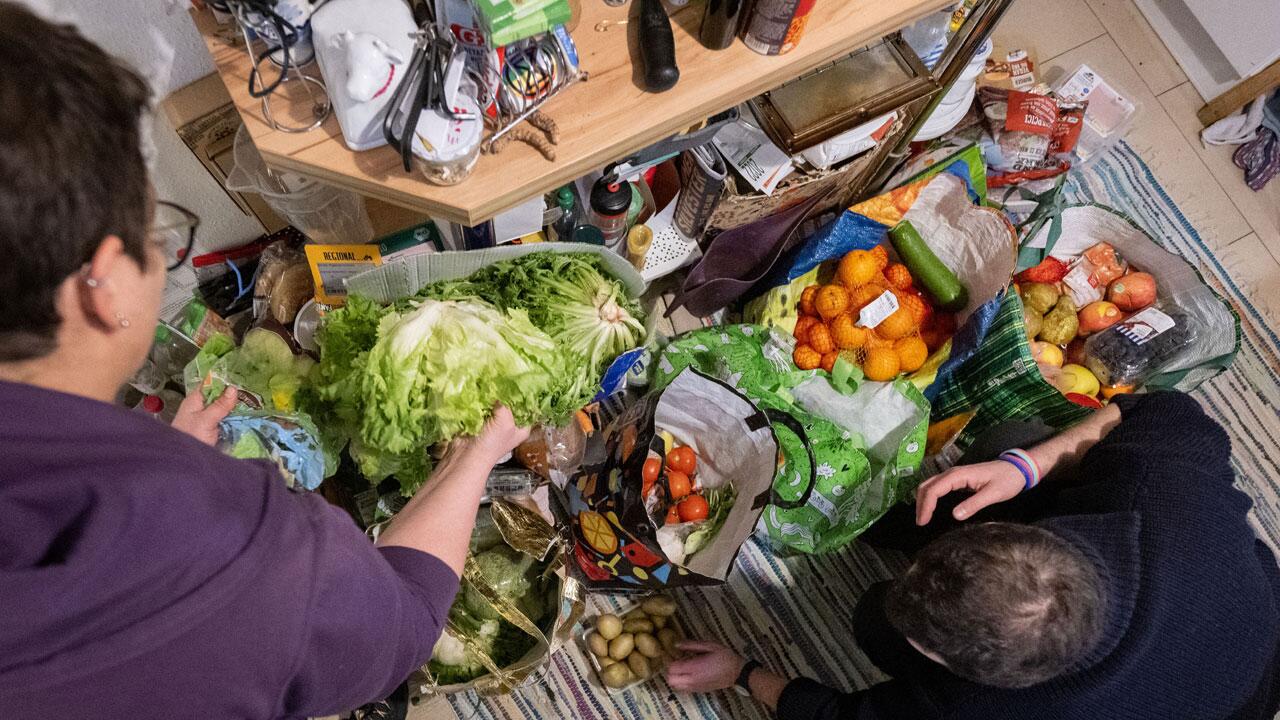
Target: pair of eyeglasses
[(174, 230)]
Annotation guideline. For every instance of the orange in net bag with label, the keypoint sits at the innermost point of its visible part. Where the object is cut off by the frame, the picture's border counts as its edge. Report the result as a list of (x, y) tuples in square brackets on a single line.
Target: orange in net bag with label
[(871, 314)]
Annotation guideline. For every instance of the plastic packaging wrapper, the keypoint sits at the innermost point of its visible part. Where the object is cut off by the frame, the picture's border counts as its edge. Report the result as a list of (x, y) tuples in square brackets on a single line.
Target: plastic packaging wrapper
[(284, 283), (289, 442), (492, 614), (553, 453), (859, 469), (1129, 352), (618, 543)]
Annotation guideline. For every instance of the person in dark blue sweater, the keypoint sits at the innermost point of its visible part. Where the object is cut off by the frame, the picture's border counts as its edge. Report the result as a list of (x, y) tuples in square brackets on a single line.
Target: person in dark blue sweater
[(1129, 585)]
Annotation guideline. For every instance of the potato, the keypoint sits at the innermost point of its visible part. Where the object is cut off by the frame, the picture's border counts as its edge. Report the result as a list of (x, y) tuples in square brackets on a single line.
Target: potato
[(635, 614), (639, 665), (616, 675), (599, 646), (660, 605), (668, 637), (609, 626), (606, 661), (638, 626), (647, 645), (659, 621), (621, 646)]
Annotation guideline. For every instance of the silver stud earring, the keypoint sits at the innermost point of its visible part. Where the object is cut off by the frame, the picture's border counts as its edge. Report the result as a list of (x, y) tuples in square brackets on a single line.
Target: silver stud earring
[(93, 282), (124, 321)]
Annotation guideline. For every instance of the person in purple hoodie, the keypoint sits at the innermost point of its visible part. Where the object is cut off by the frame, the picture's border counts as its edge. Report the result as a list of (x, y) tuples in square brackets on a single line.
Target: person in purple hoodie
[(143, 574)]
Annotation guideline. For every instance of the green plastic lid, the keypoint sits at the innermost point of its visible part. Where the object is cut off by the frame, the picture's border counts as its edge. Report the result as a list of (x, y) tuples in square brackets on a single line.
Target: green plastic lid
[(564, 197), (589, 234)]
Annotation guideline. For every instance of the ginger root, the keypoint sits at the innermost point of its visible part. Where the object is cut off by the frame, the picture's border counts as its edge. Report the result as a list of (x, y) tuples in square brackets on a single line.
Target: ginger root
[(524, 135)]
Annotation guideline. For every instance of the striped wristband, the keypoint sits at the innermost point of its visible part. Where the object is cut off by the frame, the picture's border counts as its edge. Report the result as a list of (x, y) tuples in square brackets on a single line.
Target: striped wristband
[(1028, 467)]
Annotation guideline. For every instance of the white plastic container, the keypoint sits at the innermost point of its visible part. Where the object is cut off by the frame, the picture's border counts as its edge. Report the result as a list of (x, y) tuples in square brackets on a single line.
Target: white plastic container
[(323, 213), (953, 106), (1109, 115)]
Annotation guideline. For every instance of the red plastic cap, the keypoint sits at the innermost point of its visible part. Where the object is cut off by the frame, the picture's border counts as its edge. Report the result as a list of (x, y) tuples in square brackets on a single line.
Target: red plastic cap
[(153, 403)]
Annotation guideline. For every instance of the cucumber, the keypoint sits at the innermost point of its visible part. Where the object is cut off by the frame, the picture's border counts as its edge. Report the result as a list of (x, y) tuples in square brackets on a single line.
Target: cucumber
[(930, 273)]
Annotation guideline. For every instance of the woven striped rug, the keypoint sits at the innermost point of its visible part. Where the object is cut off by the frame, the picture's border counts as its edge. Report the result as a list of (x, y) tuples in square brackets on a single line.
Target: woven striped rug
[(793, 613)]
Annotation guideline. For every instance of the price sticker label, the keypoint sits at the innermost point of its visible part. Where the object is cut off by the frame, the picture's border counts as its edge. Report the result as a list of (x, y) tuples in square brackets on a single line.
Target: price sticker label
[(877, 310), (1143, 326)]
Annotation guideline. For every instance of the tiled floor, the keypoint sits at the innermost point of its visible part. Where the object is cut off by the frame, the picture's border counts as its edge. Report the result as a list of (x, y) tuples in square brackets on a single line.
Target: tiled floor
[(1113, 38)]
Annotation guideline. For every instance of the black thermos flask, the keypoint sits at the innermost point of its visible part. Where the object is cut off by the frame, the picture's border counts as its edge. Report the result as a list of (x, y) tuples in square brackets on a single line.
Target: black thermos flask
[(721, 21)]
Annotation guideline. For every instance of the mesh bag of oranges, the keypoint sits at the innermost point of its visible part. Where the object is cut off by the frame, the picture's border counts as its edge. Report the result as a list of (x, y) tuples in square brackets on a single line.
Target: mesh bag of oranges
[(871, 314)]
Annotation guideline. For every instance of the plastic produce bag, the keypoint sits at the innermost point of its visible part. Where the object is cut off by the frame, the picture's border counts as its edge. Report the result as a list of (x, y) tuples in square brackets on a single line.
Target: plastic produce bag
[(498, 613), (288, 441), (863, 449)]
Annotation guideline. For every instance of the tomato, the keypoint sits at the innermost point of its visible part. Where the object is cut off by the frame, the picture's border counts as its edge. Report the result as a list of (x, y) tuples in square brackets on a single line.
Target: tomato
[(673, 515), (652, 468), (693, 508), (679, 484), (683, 459)]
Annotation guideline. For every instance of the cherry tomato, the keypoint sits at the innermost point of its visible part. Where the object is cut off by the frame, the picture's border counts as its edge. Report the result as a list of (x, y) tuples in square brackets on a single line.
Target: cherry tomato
[(673, 515), (652, 467), (679, 484), (683, 459), (693, 508)]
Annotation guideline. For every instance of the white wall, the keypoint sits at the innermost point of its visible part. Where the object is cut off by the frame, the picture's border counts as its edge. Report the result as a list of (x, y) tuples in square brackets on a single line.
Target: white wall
[(122, 28)]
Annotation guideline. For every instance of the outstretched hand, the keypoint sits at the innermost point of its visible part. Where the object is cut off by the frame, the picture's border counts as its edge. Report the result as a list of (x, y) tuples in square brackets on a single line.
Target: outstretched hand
[(991, 483), (710, 666), (200, 421)]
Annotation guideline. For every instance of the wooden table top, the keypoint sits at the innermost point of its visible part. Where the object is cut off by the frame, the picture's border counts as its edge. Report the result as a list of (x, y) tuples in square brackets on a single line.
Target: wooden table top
[(601, 120)]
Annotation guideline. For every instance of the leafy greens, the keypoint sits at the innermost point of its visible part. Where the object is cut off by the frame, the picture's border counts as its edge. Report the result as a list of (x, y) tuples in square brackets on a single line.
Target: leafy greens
[(534, 333)]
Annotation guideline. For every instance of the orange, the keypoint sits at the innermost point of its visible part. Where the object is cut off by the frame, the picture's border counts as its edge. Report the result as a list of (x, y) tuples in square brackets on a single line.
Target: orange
[(820, 339), (847, 334), (899, 324), (915, 306), (803, 323), (806, 300), (898, 276), (831, 300), (876, 340), (912, 353), (806, 358), (859, 298), (857, 269), (881, 256), (881, 364), (829, 361)]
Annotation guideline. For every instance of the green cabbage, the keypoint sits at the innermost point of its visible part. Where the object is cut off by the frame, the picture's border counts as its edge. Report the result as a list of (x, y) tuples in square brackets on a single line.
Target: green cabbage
[(514, 576)]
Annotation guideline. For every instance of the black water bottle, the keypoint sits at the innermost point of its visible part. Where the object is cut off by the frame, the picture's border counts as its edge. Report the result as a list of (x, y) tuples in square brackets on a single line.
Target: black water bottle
[(721, 22)]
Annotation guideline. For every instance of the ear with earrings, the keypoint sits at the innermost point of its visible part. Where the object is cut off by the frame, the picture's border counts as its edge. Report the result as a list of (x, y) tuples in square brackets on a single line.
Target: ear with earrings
[(96, 283)]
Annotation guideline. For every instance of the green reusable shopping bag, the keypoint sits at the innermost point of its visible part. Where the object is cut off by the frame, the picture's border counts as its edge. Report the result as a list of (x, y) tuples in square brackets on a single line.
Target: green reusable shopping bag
[(856, 482)]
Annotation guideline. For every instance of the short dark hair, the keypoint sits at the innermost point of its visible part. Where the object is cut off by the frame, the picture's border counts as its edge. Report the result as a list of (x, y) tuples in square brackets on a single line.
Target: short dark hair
[(72, 170), (1002, 604)]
